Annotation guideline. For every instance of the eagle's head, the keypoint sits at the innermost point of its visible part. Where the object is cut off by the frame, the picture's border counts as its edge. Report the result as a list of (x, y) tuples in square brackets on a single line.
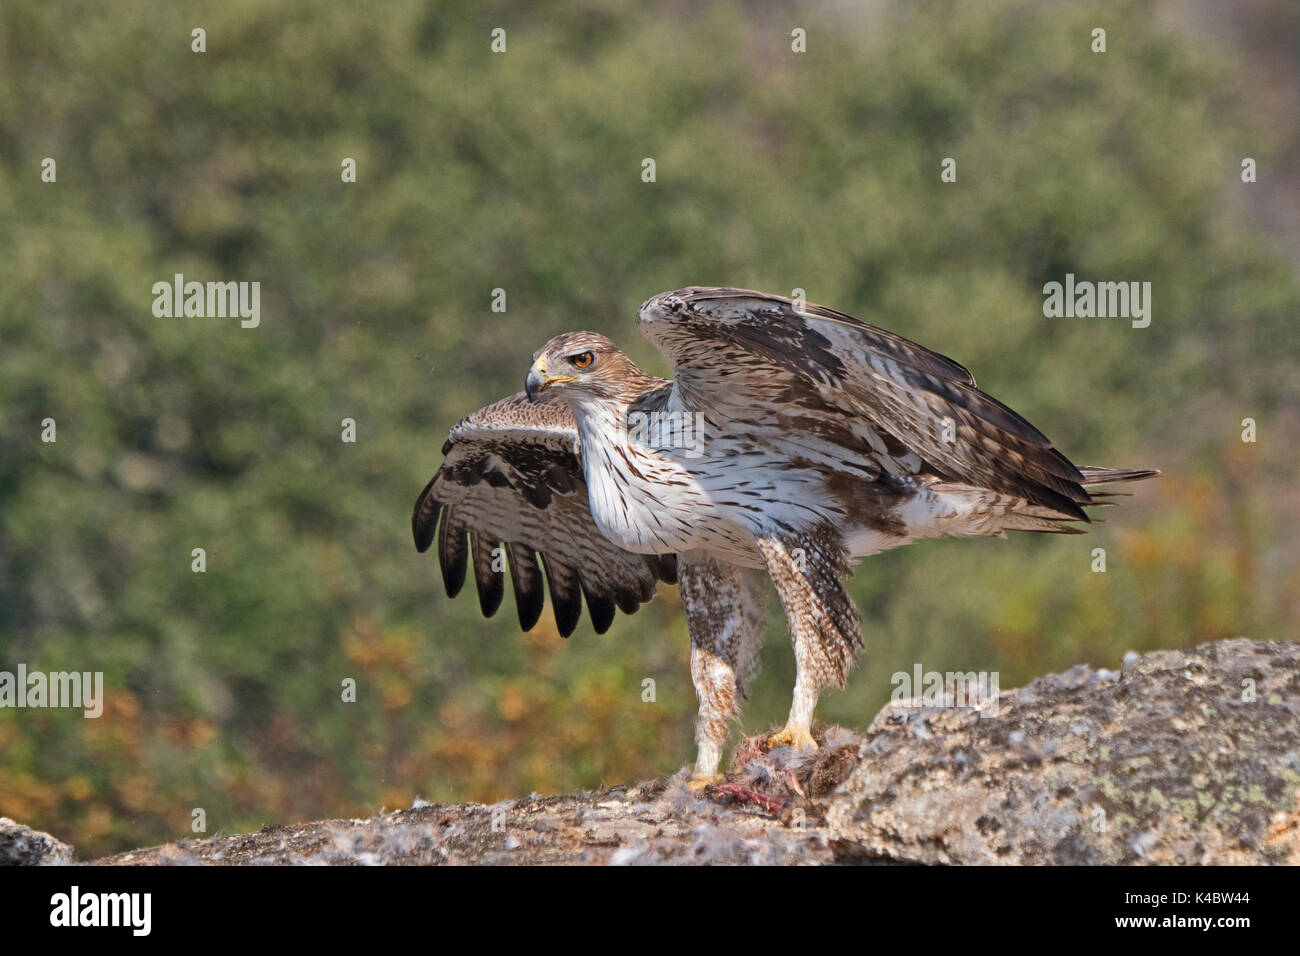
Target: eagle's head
[(583, 366)]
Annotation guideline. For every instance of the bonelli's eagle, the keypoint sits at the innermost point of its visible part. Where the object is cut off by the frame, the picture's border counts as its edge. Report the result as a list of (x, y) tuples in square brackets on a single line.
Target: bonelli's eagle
[(790, 440)]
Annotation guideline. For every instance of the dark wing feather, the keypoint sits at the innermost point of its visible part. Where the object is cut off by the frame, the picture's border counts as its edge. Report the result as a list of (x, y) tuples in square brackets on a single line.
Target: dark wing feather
[(453, 554), (489, 582), (738, 353), (512, 479), (526, 577), (566, 594)]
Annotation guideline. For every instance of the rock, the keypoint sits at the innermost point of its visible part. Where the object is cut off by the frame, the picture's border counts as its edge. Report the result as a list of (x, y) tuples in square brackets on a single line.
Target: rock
[(1181, 757), (23, 846), (655, 823), (1185, 757)]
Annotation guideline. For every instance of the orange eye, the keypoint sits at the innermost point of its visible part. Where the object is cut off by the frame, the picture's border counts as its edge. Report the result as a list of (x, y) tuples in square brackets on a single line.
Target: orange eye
[(583, 360)]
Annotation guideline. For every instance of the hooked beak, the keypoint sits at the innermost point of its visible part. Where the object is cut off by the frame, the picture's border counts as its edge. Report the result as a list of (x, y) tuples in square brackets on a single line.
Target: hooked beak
[(539, 379)]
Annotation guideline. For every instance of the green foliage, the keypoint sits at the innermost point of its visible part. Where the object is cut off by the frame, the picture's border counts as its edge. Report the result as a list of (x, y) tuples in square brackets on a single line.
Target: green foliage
[(523, 171)]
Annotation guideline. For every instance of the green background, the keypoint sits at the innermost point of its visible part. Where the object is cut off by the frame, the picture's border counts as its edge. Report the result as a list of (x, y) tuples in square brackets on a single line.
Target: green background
[(522, 171)]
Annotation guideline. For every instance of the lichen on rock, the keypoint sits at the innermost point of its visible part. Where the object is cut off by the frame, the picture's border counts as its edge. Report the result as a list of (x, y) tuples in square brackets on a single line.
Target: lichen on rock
[(1188, 756), (22, 846)]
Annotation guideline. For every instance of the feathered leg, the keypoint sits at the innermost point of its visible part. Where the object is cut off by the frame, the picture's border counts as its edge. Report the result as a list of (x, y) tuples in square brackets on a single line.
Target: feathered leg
[(726, 616), (823, 624)]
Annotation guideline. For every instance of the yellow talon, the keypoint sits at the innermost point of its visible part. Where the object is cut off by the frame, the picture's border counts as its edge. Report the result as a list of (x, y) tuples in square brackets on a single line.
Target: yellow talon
[(699, 781), (800, 738)]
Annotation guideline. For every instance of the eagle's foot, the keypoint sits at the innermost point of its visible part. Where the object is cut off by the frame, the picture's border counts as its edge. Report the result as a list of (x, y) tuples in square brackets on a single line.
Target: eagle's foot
[(701, 781), (800, 738)]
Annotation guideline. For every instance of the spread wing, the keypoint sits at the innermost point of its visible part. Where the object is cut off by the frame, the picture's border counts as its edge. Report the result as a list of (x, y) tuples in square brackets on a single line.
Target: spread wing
[(757, 362), (512, 479)]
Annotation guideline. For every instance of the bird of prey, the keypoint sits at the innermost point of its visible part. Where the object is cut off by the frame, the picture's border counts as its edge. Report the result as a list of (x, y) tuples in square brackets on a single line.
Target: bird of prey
[(790, 440)]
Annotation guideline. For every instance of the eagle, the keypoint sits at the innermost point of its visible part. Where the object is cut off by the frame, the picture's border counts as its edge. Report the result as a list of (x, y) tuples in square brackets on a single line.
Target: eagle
[(791, 440)]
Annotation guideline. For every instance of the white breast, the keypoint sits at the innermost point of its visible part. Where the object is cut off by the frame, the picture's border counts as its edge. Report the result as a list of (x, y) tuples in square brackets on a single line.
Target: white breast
[(655, 500)]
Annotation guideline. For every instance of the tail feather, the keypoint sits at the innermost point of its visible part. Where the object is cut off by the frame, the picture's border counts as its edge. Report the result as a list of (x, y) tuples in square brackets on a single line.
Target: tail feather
[(1092, 475), (979, 511)]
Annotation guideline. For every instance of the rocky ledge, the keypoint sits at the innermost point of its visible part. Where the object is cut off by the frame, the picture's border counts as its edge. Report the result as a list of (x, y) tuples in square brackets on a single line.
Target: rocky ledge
[(1188, 756)]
